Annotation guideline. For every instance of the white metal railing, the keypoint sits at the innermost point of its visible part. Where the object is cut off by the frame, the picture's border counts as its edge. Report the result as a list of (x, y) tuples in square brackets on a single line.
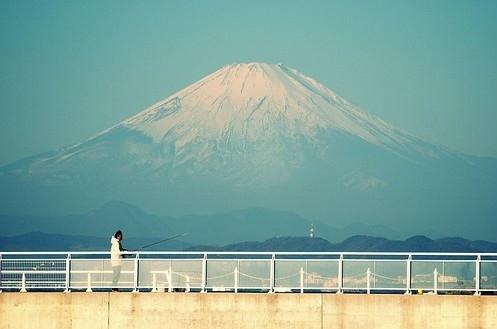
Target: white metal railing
[(393, 272)]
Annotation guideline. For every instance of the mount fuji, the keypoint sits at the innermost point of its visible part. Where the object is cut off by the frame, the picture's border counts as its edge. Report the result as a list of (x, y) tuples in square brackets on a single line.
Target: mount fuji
[(268, 136)]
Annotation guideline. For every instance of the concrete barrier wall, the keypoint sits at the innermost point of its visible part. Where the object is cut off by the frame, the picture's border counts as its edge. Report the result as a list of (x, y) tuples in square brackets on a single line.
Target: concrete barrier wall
[(218, 311)]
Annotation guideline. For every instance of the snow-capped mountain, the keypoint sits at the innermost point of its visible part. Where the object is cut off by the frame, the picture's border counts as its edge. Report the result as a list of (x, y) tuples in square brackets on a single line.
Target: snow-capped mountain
[(255, 135), (257, 113), (246, 103)]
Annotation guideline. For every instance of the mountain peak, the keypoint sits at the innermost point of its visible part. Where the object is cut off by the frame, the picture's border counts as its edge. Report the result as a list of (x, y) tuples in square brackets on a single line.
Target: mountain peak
[(250, 102), (254, 65)]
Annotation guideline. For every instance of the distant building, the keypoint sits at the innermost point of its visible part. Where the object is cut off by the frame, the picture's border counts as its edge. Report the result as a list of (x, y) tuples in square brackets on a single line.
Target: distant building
[(311, 231)]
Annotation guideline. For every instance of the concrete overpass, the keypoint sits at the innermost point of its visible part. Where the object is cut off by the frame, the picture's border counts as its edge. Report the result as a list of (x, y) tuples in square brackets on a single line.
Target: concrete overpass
[(245, 310), (249, 290)]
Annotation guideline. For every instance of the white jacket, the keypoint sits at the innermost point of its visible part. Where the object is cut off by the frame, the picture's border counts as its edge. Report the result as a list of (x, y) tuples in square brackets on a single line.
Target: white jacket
[(115, 253)]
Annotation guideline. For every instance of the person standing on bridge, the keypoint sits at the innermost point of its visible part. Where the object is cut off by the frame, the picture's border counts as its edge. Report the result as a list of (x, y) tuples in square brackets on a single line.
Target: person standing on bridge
[(116, 250)]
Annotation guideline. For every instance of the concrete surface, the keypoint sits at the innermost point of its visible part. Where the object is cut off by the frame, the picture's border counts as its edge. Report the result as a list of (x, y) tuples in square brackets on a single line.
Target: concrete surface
[(228, 310)]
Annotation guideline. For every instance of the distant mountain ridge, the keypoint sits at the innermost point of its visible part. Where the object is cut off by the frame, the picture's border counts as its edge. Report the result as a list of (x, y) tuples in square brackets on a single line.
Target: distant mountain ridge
[(361, 243), (56, 242), (37, 241), (255, 224), (276, 231)]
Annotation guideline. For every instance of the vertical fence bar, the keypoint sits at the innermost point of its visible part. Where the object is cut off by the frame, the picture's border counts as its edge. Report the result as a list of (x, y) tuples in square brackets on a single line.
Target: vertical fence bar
[(301, 280), (272, 274), (368, 281), (88, 288), (187, 283), (68, 273), (136, 274), (306, 274), (204, 273), (236, 279), (435, 281), (340, 274), (170, 277), (478, 275), (154, 282), (374, 274), (408, 275), (443, 275), (23, 283)]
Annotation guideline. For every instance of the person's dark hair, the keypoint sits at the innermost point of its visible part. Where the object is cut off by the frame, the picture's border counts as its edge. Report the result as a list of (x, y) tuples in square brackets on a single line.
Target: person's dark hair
[(118, 233)]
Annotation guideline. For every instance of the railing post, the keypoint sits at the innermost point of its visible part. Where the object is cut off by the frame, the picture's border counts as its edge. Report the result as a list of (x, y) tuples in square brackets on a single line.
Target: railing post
[(136, 273), (236, 279), (368, 281), (435, 281), (443, 275), (88, 287), (68, 273), (170, 278), (408, 275), (272, 274), (340, 274), (204, 273), (187, 283), (23, 283), (374, 275), (301, 280), (478, 275)]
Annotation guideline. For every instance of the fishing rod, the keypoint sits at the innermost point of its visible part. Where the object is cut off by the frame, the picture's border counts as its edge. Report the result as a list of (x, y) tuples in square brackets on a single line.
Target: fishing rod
[(161, 241)]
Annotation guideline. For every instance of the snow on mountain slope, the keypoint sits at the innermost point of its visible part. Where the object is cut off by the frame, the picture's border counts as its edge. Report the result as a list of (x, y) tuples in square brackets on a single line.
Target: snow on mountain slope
[(253, 122), (259, 111), (254, 101)]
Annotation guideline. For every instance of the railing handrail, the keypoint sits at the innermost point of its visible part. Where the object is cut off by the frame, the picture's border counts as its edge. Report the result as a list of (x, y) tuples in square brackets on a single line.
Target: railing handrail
[(27, 270), (266, 253)]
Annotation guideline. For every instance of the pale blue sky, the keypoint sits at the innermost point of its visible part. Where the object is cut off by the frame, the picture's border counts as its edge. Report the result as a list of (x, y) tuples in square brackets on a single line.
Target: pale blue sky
[(69, 69)]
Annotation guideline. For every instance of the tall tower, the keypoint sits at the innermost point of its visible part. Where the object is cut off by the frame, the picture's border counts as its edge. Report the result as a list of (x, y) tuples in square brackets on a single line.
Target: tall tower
[(311, 231)]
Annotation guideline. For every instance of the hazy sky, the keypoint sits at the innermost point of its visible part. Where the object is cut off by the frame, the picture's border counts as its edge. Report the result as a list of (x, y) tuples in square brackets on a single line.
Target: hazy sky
[(69, 69)]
